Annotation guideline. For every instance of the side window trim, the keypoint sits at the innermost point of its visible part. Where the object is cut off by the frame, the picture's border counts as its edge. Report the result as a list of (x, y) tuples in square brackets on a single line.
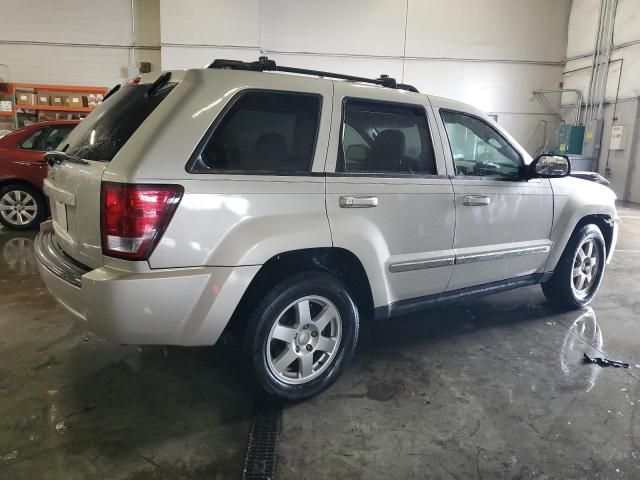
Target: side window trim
[(430, 127), (191, 165), (450, 149)]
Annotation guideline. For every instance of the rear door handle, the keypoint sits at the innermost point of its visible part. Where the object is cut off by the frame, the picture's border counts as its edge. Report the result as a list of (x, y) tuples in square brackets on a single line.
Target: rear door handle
[(358, 202), (476, 200)]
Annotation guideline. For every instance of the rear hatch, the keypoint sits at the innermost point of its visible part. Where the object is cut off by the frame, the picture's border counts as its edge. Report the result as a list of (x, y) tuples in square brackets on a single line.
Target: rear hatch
[(74, 186)]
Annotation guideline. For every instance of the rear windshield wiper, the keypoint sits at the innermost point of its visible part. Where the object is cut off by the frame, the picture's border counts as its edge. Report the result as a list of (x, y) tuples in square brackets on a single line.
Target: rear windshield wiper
[(111, 92), (56, 156), (160, 82)]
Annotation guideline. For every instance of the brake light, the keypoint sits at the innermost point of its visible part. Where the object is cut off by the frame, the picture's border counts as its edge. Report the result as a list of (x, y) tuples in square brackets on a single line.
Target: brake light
[(134, 217)]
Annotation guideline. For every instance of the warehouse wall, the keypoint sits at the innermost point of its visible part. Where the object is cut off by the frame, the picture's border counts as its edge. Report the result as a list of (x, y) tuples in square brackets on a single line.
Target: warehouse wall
[(623, 87), (492, 54), (80, 42)]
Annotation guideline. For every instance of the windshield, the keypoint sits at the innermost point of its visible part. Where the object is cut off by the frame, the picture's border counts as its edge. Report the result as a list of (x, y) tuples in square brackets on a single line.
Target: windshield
[(103, 133)]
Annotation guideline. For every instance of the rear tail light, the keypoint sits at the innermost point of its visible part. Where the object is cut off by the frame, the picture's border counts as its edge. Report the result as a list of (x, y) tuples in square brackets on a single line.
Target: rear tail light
[(134, 217)]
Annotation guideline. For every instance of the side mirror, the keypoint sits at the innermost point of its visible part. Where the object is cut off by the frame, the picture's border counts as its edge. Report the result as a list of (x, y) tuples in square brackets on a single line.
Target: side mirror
[(549, 165)]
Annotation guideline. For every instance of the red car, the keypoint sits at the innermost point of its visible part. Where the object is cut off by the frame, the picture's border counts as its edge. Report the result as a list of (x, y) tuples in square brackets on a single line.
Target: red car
[(23, 169)]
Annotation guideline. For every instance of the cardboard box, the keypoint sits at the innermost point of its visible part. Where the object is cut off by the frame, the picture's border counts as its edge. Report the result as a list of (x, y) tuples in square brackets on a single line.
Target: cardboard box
[(24, 98), (43, 98), (46, 116), (64, 116), (73, 101), (56, 100)]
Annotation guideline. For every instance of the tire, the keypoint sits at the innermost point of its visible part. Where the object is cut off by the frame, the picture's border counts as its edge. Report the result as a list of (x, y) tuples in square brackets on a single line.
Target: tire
[(289, 317), (22, 207), (576, 279)]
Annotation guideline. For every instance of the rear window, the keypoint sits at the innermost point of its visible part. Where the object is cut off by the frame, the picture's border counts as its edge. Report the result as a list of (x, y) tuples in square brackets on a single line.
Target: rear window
[(263, 131), (103, 133), (383, 137)]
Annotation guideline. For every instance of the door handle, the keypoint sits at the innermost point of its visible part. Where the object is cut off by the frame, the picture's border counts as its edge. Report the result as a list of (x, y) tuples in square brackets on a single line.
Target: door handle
[(476, 200), (358, 202)]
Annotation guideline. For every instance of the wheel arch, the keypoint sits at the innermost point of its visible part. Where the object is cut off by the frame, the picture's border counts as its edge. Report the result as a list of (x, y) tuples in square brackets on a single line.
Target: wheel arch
[(602, 220), (340, 262), (4, 181)]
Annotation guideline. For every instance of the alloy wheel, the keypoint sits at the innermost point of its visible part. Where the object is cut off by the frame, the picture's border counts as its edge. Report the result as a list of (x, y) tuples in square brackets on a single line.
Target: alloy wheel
[(586, 266), (304, 340), (18, 207)]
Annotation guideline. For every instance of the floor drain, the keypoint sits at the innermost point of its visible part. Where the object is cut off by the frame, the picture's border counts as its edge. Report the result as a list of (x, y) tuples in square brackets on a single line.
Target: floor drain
[(260, 461)]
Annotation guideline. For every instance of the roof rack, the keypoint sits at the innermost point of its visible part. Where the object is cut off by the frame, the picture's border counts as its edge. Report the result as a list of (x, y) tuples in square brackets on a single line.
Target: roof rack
[(264, 64)]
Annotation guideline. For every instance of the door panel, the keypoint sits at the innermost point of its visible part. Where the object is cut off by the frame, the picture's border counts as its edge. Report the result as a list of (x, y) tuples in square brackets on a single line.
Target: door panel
[(503, 222), (506, 238), (399, 224), (405, 241)]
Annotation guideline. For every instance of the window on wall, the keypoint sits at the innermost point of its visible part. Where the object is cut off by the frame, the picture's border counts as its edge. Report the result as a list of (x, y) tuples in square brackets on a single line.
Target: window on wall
[(382, 137), (478, 149), (264, 131)]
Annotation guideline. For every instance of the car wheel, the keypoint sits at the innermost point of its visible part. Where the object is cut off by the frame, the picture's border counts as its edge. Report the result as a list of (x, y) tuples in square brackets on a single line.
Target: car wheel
[(21, 207), (579, 272), (302, 335)]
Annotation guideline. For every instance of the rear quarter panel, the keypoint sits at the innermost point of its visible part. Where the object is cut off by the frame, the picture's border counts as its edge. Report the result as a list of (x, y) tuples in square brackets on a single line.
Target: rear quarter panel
[(226, 219)]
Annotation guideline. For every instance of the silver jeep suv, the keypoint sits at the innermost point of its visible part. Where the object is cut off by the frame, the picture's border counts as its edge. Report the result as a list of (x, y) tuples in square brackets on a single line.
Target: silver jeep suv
[(267, 201)]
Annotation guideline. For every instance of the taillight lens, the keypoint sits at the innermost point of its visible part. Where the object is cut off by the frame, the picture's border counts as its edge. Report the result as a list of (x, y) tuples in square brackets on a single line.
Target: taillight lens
[(134, 217)]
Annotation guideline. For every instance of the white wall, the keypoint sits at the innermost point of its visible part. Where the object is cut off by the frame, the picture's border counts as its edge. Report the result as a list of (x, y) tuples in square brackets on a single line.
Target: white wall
[(623, 86), (78, 42), (194, 32), (491, 53)]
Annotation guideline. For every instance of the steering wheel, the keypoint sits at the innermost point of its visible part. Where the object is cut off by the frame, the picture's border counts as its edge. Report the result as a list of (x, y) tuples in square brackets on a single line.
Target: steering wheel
[(486, 168)]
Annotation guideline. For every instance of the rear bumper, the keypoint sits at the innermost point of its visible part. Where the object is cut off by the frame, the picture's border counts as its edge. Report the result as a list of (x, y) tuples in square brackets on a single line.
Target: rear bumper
[(186, 306)]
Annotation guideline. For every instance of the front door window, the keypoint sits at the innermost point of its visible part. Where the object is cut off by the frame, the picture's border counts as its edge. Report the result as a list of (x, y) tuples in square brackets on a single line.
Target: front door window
[(478, 149)]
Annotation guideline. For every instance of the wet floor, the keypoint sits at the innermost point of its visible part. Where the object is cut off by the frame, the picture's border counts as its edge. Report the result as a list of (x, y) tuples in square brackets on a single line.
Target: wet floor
[(489, 388)]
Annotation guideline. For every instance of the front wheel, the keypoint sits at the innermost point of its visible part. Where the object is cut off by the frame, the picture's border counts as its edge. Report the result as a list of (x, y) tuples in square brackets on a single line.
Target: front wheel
[(302, 335), (579, 272)]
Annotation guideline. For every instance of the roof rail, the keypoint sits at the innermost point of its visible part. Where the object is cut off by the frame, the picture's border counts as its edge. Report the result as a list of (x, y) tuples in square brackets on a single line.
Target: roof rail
[(264, 64)]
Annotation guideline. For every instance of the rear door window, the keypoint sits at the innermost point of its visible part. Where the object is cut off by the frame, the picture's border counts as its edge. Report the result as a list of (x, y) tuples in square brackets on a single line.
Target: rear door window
[(103, 133), (263, 131), (384, 137)]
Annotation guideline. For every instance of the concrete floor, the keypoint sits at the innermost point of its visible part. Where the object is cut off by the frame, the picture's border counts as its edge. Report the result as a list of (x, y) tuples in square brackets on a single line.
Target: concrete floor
[(489, 388)]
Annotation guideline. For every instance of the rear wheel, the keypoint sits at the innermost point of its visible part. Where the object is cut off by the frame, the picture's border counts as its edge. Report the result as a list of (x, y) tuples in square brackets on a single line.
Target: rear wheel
[(21, 207), (577, 276), (302, 335)]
